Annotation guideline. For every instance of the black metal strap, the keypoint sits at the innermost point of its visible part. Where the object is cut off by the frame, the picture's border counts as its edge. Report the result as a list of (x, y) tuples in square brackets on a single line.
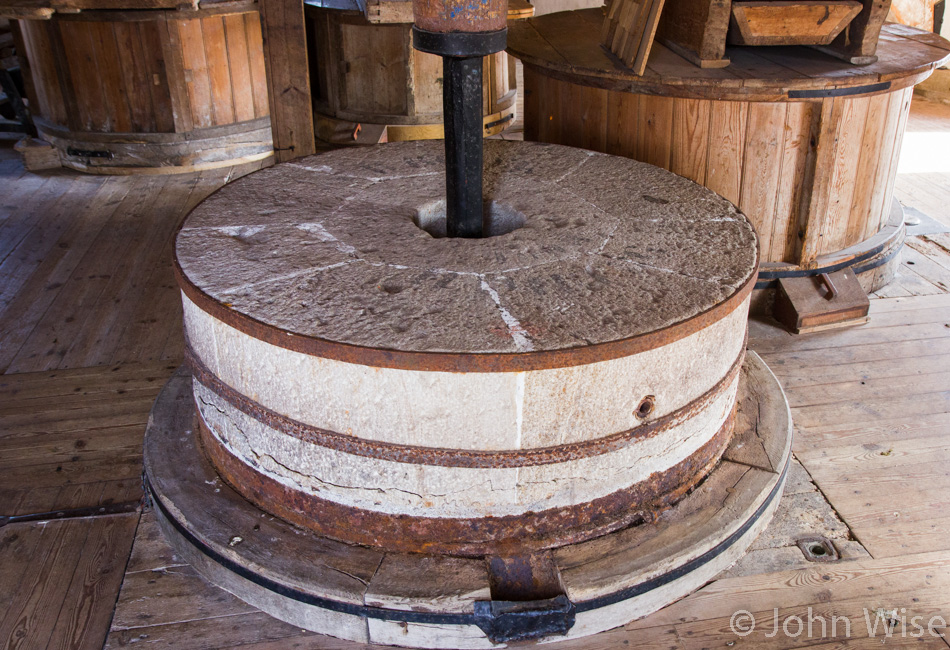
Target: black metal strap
[(459, 44), (506, 621), (839, 92), (860, 264), (74, 513)]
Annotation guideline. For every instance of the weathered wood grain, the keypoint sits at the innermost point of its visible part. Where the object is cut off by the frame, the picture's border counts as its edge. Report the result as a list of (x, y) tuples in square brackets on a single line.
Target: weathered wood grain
[(288, 91), (104, 75), (66, 599), (813, 174), (787, 22)]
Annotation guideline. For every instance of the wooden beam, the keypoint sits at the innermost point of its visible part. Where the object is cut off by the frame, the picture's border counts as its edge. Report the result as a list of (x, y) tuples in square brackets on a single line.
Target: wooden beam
[(815, 221), (859, 43), (288, 78), (696, 30)]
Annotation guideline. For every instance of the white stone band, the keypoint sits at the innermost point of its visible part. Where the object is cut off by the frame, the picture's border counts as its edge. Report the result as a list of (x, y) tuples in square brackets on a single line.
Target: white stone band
[(454, 492), (515, 410)]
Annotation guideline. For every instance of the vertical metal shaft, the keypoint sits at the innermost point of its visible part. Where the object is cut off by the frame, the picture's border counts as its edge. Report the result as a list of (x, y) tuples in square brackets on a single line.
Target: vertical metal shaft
[(462, 53), (462, 115)]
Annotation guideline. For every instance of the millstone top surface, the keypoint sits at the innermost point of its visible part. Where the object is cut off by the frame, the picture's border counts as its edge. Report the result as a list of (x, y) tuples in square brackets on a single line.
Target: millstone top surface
[(328, 246)]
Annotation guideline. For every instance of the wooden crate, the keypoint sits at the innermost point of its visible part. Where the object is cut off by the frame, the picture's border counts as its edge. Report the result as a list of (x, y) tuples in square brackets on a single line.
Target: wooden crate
[(790, 22)]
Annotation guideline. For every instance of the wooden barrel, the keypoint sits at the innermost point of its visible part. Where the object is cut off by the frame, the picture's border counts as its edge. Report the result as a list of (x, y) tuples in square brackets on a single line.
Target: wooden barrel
[(805, 145), (369, 75), (481, 407), (142, 91)]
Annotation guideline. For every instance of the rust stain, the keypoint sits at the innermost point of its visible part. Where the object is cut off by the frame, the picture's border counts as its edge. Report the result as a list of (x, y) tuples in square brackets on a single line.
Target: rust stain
[(477, 537), (460, 15), (524, 577)]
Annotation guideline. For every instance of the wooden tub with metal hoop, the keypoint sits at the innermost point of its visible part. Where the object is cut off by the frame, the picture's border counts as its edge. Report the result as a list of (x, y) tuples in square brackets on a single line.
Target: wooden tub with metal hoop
[(803, 143), (367, 79), (148, 90)]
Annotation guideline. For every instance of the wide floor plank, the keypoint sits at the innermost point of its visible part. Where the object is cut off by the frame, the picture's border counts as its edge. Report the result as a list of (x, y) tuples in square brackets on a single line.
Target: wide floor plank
[(871, 406), (85, 264), (61, 580), (73, 438)]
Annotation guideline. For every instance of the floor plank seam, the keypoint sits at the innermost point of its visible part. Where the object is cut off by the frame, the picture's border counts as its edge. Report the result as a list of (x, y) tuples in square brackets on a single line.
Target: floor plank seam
[(175, 622), (758, 467), (831, 504), (91, 512), (166, 568), (118, 591)]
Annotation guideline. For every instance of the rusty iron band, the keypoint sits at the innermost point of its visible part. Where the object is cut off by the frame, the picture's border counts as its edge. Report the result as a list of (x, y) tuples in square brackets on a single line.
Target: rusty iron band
[(475, 537), (459, 361), (467, 458)]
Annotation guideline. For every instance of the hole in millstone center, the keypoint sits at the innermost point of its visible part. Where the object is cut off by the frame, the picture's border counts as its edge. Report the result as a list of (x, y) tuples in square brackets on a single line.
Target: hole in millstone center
[(818, 550), (498, 218)]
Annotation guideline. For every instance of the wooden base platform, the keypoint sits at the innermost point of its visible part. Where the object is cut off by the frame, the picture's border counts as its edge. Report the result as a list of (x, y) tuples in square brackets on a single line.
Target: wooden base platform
[(161, 153), (434, 601)]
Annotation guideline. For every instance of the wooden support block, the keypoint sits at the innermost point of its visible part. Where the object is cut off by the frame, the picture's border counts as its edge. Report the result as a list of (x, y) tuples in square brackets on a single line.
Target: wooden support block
[(696, 30), (520, 9), (820, 302), (790, 22), (288, 78), (388, 11), (858, 43), (37, 154), (343, 132), (25, 11), (629, 29)]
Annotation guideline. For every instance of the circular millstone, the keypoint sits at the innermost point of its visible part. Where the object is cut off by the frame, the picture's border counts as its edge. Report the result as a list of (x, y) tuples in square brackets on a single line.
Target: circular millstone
[(430, 601), (329, 247), (571, 373)]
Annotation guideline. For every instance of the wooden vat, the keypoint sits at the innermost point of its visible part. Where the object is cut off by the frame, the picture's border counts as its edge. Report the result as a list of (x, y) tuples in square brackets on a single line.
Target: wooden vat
[(150, 91), (368, 74), (574, 374), (806, 146)]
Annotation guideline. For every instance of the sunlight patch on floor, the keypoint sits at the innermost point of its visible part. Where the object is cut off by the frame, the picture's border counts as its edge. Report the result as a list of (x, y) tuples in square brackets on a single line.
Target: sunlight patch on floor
[(925, 152)]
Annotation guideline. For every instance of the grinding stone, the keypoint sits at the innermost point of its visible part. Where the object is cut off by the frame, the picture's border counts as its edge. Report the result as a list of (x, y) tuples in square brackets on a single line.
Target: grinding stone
[(328, 247), (351, 360)]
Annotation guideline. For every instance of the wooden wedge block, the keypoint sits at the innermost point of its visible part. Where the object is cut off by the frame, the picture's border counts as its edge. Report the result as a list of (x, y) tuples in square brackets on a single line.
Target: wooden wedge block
[(629, 29), (696, 30), (821, 302), (37, 154)]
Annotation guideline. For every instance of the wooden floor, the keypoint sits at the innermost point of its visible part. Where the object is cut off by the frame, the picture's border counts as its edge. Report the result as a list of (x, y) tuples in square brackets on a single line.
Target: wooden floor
[(90, 329)]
